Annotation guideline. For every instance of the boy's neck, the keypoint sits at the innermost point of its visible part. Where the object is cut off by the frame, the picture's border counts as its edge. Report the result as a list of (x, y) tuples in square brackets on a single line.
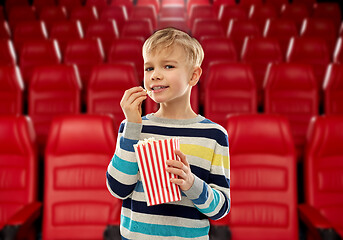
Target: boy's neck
[(170, 112)]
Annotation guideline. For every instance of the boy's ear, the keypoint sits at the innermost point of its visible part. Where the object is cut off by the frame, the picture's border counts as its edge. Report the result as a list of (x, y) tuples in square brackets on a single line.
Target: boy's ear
[(197, 71)]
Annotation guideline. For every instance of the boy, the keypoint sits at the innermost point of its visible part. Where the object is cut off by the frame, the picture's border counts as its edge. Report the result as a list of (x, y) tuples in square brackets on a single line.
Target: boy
[(172, 62)]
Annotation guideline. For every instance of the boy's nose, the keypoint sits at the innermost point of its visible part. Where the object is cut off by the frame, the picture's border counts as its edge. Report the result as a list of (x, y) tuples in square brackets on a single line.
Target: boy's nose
[(156, 75)]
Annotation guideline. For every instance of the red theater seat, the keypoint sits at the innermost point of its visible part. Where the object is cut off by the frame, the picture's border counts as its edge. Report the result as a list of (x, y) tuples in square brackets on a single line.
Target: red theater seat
[(338, 53), (323, 28), (230, 88), (295, 11), (64, 31), (37, 53), (155, 3), (127, 4), (200, 12), (228, 12), (282, 30), (19, 14), (77, 203), (323, 167), (190, 3), (98, 4), (26, 31), (172, 11), (144, 11), (128, 50), (330, 10), (333, 89), (51, 14), (54, 90), (85, 14), (259, 52), (69, 5), (207, 27), (19, 178), (40, 4), (238, 30), (107, 85), (310, 50), (261, 13), (277, 3), (138, 28), (7, 53), (11, 91), (175, 22), (5, 32), (85, 53), (264, 192), (9, 4), (291, 90), (107, 31), (117, 13)]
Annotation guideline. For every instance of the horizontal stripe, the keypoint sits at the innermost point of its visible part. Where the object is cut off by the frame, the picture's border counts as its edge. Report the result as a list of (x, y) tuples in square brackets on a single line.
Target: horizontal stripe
[(205, 153), (127, 144), (174, 210), (129, 168), (163, 230), (203, 196), (219, 180), (118, 188), (224, 210)]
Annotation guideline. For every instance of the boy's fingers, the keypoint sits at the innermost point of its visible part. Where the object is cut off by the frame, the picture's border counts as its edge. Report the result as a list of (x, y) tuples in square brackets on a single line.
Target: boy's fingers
[(182, 157)]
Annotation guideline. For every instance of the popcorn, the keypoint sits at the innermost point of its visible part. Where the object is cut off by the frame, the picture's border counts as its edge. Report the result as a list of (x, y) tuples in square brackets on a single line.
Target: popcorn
[(148, 92), (151, 157)]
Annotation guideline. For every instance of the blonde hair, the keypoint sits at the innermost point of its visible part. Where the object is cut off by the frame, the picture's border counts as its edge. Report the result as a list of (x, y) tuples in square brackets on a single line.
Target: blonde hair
[(168, 37)]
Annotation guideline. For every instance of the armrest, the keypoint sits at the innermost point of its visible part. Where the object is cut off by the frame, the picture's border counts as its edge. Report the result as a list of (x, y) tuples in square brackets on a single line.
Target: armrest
[(21, 221), (317, 224)]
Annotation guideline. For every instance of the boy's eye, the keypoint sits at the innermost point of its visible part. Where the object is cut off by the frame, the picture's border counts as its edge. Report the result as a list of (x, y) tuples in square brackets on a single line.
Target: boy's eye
[(149, 69), (169, 66)]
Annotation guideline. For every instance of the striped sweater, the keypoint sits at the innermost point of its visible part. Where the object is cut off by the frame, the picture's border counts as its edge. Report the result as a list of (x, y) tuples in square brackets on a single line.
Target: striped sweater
[(205, 145)]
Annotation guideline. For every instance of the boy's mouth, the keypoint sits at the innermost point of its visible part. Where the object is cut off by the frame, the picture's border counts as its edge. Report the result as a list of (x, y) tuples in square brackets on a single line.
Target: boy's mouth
[(158, 88)]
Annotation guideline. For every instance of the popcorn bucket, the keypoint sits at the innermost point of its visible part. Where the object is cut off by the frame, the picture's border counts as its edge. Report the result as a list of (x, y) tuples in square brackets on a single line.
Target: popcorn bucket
[(151, 157)]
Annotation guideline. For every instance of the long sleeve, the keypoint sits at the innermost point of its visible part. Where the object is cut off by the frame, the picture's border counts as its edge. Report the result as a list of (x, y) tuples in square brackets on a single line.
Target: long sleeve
[(122, 171), (212, 198)]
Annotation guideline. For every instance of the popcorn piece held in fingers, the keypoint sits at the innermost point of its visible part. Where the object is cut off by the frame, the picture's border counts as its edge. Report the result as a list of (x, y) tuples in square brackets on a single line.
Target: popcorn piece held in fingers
[(148, 92)]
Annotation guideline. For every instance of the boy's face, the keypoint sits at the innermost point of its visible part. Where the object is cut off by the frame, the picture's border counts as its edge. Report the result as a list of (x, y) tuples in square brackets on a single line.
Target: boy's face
[(167, 74)]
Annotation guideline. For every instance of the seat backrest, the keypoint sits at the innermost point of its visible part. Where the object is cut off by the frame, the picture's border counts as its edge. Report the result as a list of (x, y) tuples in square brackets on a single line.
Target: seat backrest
[(98, 4), (323, 167), (107, 31), (338, 52), (259, 52), (321, 27), (333, 89), (260, 13), (281, 29), (238, 30), (141, 28), (63, 31), (69, 5), (207, 27), (19, 165), (229, 12), (107, 85), (263, 164), (19, 14), (190, 3), (28, 30), (128, 50), (53, 90), (310, 50), (85, 53), (51, 14), (155, 3), (7, 52), (291, 90), (230, 88), (175, 22), (40, 4), (330, 10), (85, 14), (172, 11), (128, 5), (11, 90), (117, 13), (144, 11), (78, 151), (202, 12), (35, 53), (9, 4), (296, 11)]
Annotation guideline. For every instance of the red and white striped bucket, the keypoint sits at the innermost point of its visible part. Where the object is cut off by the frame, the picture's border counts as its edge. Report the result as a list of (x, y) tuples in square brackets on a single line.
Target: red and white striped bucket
[(151, 158)]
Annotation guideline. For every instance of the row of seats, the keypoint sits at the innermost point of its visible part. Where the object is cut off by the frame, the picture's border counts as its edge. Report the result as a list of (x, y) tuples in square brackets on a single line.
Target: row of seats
[(290, 89), (77, 204)]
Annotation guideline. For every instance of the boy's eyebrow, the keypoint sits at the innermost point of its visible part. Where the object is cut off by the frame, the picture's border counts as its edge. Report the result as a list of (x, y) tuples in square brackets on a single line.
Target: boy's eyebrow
[(164, 61)]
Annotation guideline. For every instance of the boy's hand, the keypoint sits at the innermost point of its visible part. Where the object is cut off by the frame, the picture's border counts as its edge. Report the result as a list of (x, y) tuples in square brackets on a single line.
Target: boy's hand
[(131, 103), (182, 170)]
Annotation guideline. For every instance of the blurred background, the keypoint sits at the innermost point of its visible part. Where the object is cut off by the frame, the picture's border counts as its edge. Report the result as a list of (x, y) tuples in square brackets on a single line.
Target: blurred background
[(272, 76)]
